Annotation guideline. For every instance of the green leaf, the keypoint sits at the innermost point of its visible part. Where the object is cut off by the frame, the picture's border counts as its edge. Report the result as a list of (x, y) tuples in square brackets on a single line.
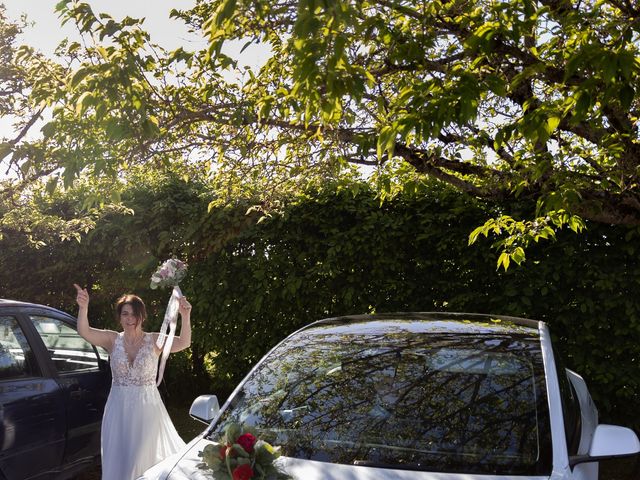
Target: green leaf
[(52, 184), (626, 96), (79, 75), (583, 103), (518, 255), (84, 102), (240, 451), (473, 236), (386, 141), (232, 432), (224, 13), (503, 261), (62, 5), (116, 130), (552, 124)]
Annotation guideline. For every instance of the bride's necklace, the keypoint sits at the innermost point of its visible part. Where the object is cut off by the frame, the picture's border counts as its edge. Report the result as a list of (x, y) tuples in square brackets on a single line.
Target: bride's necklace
[(133, 344)]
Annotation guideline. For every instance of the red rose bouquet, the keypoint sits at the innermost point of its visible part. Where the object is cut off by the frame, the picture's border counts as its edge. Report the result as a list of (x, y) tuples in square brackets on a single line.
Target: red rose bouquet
[(241, 455)]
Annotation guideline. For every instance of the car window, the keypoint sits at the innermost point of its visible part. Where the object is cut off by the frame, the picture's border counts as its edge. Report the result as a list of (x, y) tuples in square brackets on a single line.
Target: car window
[(437, 402), (68, 350), (16, 357), (570, 407)]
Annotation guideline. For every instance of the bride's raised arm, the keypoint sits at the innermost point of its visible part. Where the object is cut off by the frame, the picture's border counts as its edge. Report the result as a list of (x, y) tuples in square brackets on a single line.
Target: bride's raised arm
[(95, 336)]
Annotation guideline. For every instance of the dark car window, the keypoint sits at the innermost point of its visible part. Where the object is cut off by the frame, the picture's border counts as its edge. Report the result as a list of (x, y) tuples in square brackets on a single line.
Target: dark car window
[(466, 403), (68, 350), (16, 357), (570, 407)]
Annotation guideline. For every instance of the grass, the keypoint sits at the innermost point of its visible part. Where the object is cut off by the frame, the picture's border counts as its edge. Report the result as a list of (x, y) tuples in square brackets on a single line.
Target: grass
[(623, 469), (186, 426)]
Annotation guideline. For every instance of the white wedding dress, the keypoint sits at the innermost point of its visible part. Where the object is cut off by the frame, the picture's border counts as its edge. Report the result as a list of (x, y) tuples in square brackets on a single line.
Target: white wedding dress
[(136, 429)]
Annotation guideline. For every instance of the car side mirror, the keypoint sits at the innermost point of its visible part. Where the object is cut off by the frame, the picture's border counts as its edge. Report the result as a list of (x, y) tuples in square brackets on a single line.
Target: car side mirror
[(608, 442), (205, 408)]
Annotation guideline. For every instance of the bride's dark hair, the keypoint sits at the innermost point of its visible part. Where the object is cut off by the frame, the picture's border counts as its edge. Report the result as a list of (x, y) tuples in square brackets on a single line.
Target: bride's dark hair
[(137, 305)]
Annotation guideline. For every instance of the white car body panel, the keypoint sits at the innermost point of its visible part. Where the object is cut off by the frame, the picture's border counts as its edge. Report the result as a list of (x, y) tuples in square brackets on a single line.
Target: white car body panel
[(558, 438), (186, 468), (589, 418), (185, 464)]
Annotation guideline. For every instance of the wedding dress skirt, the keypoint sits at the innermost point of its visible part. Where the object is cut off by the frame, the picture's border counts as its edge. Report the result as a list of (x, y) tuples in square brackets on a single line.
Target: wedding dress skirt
[(137, 431)]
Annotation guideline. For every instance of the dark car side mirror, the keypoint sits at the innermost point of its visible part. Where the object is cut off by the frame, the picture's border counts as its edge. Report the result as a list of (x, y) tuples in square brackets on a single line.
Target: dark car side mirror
[(609, 442)]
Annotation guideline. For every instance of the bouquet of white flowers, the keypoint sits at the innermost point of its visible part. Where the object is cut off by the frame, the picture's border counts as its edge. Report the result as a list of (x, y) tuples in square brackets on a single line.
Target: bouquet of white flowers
[(169, 274)]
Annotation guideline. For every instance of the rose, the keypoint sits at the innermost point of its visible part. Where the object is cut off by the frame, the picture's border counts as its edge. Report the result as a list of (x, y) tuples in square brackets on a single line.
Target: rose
[(243, 472), (247, 441)]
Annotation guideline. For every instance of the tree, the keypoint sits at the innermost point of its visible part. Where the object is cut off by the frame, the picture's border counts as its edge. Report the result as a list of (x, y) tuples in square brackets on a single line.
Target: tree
[(335, 251), (26, 163), (531, 100)]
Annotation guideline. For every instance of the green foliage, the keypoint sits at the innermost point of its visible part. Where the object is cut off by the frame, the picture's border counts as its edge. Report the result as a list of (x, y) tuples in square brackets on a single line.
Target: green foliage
[(341, 254), (507, 101), (117, 252), (520, 234), (531, 107), (336, 251)]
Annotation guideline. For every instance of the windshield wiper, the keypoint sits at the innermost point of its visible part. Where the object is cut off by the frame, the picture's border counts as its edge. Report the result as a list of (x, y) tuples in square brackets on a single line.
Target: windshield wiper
[(395, 466)]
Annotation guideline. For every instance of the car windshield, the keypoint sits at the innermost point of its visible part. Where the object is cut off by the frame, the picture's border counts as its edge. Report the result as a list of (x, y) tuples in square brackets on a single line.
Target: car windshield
[(453, 402)]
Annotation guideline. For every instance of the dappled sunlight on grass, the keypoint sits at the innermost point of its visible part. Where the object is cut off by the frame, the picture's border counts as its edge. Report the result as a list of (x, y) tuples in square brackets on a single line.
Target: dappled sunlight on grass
[(186, 426)]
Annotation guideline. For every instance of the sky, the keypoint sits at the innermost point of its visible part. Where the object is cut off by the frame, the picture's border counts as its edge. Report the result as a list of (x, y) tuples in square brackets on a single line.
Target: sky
[(46, 32)]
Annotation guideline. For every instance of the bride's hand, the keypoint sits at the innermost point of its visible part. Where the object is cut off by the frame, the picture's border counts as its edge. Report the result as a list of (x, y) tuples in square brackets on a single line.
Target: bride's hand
[(184, 307), (82, 296)]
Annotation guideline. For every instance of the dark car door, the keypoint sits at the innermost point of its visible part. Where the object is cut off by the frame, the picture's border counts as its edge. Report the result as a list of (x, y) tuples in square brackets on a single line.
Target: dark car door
[(84, 378), (32, 437)]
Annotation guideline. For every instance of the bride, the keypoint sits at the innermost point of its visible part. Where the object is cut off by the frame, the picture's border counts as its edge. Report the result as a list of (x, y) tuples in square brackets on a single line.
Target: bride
[(136, 429)]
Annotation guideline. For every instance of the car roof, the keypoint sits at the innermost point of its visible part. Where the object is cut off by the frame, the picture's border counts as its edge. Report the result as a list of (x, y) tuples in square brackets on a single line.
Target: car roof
[(16, 303), (4, 301), (425, 322)]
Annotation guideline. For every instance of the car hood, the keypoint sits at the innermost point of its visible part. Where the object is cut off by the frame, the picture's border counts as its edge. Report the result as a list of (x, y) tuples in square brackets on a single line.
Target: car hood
[(185, 466)]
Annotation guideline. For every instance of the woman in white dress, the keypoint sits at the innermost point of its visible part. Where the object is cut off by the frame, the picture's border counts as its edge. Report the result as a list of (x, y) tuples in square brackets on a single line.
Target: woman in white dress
[(136, 429)]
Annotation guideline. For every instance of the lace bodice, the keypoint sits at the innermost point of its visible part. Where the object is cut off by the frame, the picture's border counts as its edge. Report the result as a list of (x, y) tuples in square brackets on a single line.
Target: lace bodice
[(143, 370)]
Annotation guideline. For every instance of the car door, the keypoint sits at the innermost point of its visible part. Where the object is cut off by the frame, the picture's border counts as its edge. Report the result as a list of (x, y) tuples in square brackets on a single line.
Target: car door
[(32, 437), (84, 378)]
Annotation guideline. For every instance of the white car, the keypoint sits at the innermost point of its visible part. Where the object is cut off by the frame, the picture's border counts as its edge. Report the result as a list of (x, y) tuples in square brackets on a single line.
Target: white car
[(414, 396)]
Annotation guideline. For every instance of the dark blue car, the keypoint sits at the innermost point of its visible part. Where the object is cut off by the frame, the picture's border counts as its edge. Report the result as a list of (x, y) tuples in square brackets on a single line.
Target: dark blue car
[(53, 388)]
